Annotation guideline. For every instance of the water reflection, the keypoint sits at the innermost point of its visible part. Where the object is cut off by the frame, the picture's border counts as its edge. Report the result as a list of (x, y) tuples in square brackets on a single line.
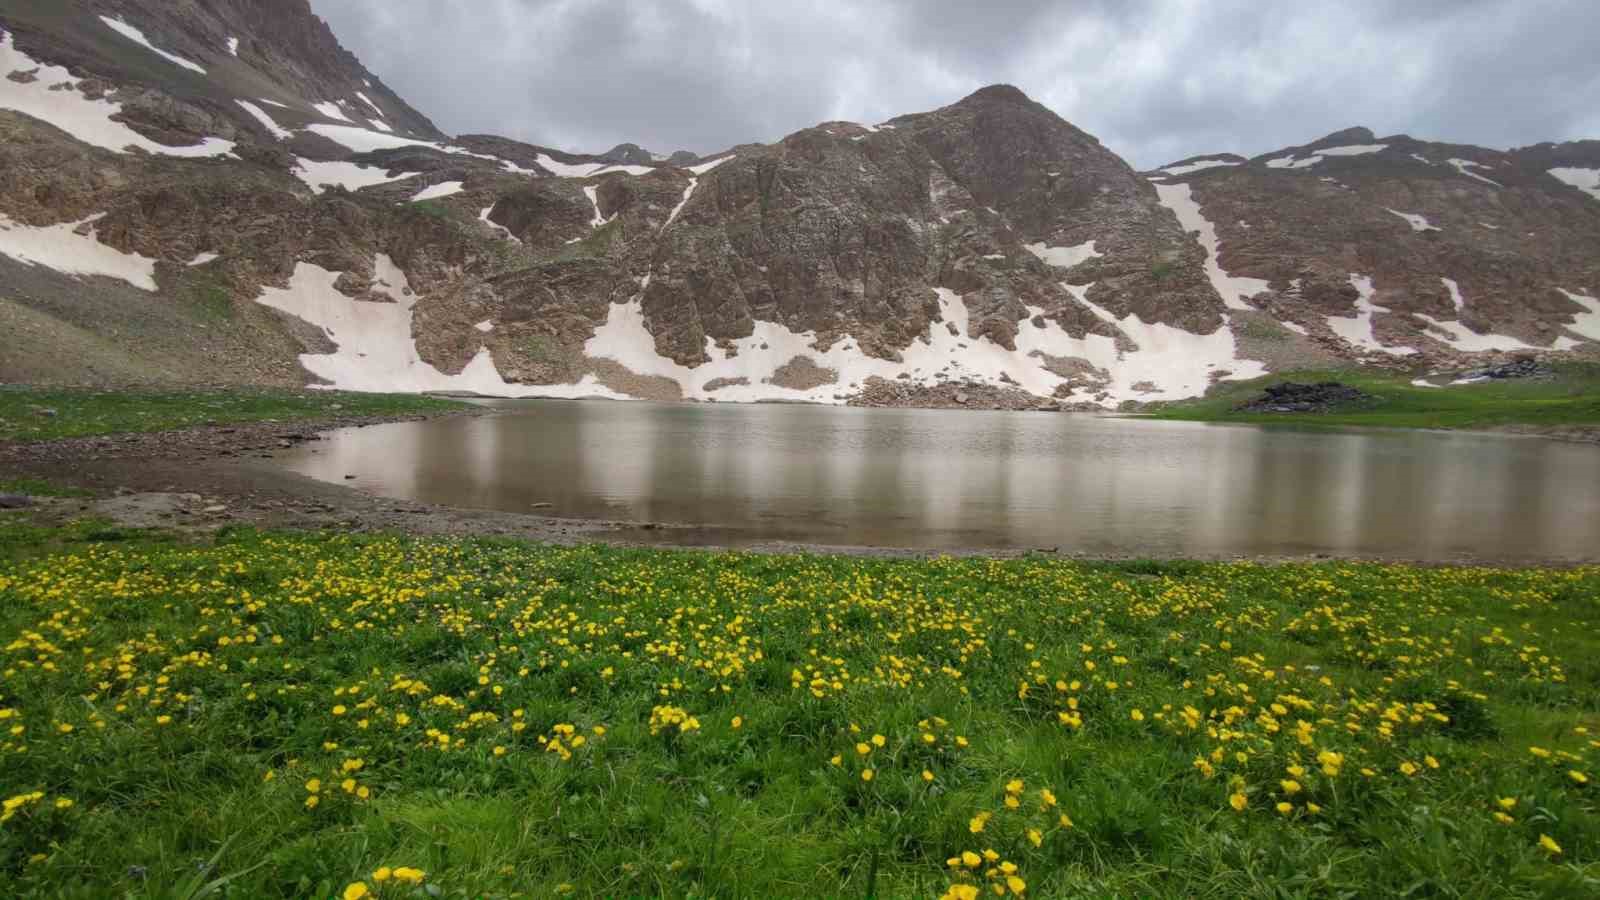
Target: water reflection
[(934, 479)]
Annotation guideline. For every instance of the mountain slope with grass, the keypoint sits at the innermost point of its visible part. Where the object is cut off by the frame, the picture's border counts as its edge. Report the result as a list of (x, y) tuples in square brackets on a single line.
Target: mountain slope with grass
[(218, 193)]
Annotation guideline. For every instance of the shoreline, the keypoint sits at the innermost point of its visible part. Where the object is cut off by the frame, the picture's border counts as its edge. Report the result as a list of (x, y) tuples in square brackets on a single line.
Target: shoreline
[(199, 480)]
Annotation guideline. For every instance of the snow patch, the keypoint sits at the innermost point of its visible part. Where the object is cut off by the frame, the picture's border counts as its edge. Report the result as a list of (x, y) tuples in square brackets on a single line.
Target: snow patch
[(704, 167), (593, 193), (1295, 327), (1417, 222), (381, 125), (687, 193), (1289, 162), (375, 349), (1233, 289), (1584, 323), (332, 111), (62, 248), (233, 46), (486, 326), (137, 36), (1197, 165), (1352, 150), (1461, 166), (1422, 159), (501, 230), (267, 122), (201, 259), (434, 192), (1463, 338), (1063, 257), (1358, 331), (54, 98), (273, 103), (348, 175), (1586, 180), (631, 170), (368, 101), (566, 170)]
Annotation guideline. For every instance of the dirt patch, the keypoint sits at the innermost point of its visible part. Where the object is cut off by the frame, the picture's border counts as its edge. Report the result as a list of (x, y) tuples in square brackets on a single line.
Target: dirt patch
[(623, 380), (803, 374), (876, 391), (717, 384)]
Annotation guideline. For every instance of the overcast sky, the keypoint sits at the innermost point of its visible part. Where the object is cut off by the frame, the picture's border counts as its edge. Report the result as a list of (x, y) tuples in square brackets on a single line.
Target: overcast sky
[(1155, 80)]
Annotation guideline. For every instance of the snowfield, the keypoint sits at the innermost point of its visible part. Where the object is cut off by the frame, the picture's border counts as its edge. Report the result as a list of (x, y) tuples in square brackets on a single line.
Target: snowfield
[(348, 175), (1233, 289), (62, 248), (53, 97), (1358, 331), (1586, 180), (137, 36)]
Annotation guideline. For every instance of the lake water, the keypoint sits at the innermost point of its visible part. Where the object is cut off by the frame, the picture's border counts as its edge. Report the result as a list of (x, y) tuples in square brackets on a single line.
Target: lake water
[(936, 479)]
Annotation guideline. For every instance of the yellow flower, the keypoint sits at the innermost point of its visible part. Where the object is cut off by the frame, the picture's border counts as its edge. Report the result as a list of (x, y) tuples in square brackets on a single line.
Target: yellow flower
[(1430, 762), (1136, 715), (1238, 801), (879, 740), (1284, 808), (926, 775), (1017, 885), (63, 803), (348, 785), (1577, 776), (1014, 786), (960, 892), (975, 825), (1065, 821), (1290, 786), (866, 774), (971, 860), (163, 720), (1502, 818), (1035, 836), (836, 759), (1408, 767), (312, 801), (1507, 802), (339, 710), (314, 785), (409, 875), (355, 890), (863, 748), (1012, 802), (1549, 844), (381, 874), (738, 722)]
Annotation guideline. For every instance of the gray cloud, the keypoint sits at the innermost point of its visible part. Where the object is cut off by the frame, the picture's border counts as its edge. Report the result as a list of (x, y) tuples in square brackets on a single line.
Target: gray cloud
[(1155, 80)]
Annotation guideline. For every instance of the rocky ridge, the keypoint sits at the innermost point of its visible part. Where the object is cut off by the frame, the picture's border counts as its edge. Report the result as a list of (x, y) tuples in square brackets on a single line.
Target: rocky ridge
[(281, 217)]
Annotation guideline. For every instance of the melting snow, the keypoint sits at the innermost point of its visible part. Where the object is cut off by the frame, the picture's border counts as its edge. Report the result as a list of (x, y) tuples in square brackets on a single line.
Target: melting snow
[(631, 170), (504, 232), (566, 170), (201, 259), (486, 326), (332, 111), (1352, 150), (1463, 338), (273, 103), (62, 248), (593, 193), (1425, 161), (434, 192), (1461, 166), (1289, 162), (1584, 323), (381, 125), (1358, 331), (1197, 166), (233, 46), (1295, 327), (267, 122), (368, 101), (1417, 222), (375, 349), (687, 192), (1063, 257), (137, 36), (1233, 289), (53, 97), (702, 168), (348, 175), (1586, 180)]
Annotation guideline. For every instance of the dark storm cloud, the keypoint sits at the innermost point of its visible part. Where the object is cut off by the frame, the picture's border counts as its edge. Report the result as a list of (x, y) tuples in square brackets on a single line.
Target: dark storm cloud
[(1155, 80)]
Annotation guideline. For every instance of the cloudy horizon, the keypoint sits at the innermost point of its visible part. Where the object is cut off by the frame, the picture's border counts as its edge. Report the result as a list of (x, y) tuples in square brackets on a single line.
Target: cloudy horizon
[(1154, 80)]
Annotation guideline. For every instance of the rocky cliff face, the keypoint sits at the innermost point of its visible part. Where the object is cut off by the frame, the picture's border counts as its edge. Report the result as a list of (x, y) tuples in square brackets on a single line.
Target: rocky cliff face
[(219, 181)]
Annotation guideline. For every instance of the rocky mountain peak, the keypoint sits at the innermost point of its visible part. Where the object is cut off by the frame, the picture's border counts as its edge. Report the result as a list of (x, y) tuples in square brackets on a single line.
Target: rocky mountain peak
[(1353, 135), (628, 155), (995, 93)]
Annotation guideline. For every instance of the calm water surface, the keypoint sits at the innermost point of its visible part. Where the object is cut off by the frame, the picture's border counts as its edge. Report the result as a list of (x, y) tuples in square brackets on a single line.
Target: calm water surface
[(944, 479)]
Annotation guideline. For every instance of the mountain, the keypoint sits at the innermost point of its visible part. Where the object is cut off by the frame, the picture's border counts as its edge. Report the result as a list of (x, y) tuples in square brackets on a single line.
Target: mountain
[(215, 190)]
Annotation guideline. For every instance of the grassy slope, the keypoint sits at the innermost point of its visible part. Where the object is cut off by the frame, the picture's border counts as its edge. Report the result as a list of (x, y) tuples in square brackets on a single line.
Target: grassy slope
[(81, 412), (206, 686), (1572, 398)]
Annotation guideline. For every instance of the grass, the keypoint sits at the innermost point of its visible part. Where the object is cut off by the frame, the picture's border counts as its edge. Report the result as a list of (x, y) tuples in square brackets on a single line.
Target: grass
[(305, 713), (38, 487), (82, 412), (1570, 398)]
